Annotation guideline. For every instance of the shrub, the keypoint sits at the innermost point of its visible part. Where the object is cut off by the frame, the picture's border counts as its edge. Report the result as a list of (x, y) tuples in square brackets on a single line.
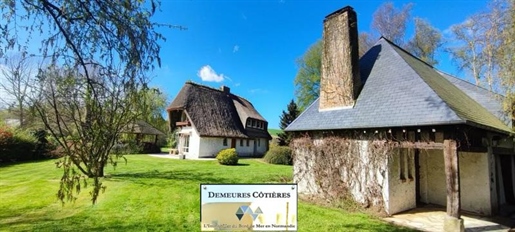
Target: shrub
[(24, 145), (227, 156), (278, 155), (16, 145)]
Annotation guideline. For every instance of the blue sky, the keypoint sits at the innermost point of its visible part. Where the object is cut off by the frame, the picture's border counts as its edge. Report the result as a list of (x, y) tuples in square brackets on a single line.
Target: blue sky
[(252, 46)]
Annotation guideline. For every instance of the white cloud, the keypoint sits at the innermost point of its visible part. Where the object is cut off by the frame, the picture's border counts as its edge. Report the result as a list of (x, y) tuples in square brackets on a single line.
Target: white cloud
[(237, 84), (236, 48), (206, 73)]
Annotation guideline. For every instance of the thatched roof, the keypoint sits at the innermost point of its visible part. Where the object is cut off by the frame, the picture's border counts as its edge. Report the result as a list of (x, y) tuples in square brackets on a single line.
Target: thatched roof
[(215, 113), (142, 127)]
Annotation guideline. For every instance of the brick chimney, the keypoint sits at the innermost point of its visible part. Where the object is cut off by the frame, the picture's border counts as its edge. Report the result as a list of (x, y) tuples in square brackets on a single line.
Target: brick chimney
[(340, 80), (225, 89)]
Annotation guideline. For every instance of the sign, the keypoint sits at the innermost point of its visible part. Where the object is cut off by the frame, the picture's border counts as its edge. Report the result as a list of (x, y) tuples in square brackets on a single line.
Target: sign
[(249, 207)]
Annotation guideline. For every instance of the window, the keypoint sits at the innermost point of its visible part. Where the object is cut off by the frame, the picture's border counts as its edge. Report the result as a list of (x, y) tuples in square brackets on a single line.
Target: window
[(259, 142), (253, 123), (249, 123), (405, 164), (225, 141), (248, 142), (402, 164), (241, 142), (186, 140)]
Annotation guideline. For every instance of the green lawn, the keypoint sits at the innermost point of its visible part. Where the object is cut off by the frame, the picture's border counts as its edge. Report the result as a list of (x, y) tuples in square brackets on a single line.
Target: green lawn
[(274, 132), (148, 193)]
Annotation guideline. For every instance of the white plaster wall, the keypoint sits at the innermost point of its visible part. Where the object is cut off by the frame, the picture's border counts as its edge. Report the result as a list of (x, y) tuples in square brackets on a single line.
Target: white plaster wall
[(474, 180), (402, 192), (433, 176), (245, 151), (194, 145), (210, 146), (302, 175), (362, 180), (262, 148)]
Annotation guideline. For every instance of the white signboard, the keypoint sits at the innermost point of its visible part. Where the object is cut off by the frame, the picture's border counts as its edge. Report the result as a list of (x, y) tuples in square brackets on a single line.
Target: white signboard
[(249, 207)]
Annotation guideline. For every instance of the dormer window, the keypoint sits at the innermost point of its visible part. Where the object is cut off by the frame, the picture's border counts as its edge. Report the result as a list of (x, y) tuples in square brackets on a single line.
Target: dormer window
[(183, 117), (252, 123)]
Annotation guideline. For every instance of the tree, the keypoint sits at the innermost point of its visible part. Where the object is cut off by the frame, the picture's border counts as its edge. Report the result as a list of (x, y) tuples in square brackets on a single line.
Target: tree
[(425, 42), (287, 118), (504, 56), (480, 42), (391, 22), (99, 53), (366, 42), (307, 80), (17, 75), (485, 47), (152, 107)]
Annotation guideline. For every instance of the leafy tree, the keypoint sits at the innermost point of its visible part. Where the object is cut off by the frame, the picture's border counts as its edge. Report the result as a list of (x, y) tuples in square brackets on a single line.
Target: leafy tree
[(425, 42), (99, 53), (504, 56), (468, 54), (484, 47), (286, 118), (307, 80), (152, 107)]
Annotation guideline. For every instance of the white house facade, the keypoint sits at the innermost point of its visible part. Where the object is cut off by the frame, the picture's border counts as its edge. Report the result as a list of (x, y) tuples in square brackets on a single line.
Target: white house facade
[(208, 120)]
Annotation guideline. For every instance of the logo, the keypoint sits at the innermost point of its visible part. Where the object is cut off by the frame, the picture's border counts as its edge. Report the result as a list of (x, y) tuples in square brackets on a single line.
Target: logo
[(242, 210)]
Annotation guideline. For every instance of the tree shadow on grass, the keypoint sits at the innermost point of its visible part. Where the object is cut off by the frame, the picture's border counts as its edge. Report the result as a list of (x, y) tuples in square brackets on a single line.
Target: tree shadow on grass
[(238, 164), (148, 177), (71, 224), (14, 163)]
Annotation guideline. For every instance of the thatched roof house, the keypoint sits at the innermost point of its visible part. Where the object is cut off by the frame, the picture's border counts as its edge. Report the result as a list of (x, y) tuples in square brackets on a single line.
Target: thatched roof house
[(217, 114)]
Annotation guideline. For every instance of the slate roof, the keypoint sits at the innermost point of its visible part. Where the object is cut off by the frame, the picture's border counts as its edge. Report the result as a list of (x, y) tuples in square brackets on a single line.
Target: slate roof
[(401, 90), (214, 113)]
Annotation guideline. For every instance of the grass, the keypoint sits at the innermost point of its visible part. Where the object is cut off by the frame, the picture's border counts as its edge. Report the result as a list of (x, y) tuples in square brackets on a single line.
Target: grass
[(274, 132), (148, 193)]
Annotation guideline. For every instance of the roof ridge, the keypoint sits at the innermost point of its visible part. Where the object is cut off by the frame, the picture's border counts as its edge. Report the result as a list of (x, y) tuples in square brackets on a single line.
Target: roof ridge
[(404, 50), (468, 82), (215, 89)]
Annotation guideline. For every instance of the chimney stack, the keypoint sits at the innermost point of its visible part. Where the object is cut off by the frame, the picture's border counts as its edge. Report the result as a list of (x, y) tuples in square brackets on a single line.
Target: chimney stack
[(225, 89), (340, 80)]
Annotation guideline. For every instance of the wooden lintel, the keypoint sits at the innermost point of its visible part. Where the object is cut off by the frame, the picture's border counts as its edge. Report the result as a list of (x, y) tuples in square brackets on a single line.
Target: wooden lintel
[(422, 145), (474, 149), (185, 123), (503, 151), (452, 174)]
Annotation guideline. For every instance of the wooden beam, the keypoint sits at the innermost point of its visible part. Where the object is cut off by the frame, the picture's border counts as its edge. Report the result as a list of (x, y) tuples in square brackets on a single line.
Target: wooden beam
[(422, 145), (452, 174)]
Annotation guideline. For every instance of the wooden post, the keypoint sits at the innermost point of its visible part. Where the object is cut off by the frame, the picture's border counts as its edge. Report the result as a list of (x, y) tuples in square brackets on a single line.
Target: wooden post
[(452, 174)]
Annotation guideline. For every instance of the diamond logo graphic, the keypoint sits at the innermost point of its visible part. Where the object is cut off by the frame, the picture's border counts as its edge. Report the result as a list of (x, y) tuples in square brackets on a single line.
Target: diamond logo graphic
[(239, 213), (242, 210)]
